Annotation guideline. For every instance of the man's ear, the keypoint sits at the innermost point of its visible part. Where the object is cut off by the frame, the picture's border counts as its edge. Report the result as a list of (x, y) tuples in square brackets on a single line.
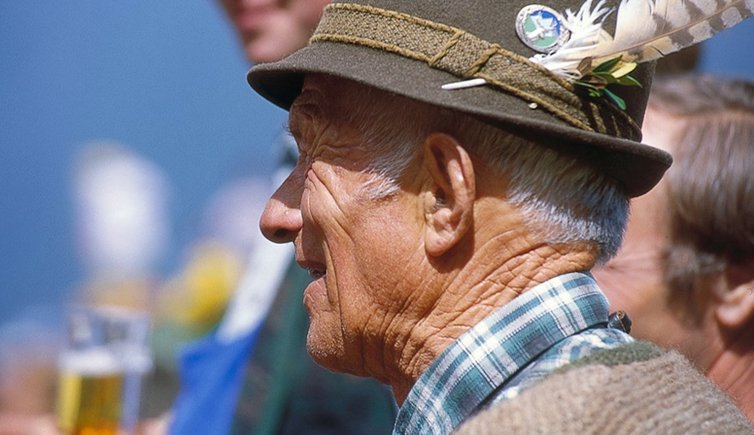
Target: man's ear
[(735, 308), (451, 192)]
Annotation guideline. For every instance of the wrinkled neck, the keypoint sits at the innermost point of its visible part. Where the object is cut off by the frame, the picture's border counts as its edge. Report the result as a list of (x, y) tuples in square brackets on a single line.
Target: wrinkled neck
[(473, 293)]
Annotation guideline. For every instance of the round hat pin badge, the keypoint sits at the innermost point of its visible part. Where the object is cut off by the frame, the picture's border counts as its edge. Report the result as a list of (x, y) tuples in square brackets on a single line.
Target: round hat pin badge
[(541, 28)]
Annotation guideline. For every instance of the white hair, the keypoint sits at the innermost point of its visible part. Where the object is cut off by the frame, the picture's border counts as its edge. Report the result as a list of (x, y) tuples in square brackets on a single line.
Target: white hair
[(563, 198)]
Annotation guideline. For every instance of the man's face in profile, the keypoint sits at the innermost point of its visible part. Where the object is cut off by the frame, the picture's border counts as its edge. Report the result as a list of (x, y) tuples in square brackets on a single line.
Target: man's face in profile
[(273, 29), (362, 253)]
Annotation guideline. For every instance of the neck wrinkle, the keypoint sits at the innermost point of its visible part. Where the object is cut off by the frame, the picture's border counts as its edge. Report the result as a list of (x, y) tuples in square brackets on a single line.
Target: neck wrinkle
[(474, 293)]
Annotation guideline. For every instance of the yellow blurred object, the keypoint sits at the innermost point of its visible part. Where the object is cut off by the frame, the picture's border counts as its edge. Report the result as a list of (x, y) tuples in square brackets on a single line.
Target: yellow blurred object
[(197, 298)]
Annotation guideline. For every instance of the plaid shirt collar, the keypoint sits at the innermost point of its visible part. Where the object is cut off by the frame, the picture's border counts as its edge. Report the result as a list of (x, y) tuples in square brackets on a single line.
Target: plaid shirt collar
[(469, 371)]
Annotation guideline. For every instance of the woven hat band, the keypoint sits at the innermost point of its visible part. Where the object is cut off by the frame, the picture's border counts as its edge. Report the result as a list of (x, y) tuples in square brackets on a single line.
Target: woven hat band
[(466, 56)]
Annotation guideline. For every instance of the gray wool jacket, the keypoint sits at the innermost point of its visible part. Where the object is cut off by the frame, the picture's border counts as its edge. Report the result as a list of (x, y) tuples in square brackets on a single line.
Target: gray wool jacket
[(632, 389)]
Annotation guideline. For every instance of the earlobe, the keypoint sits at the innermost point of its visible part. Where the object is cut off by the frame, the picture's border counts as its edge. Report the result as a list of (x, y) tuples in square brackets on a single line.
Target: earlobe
[(451, 192), (736, 307)]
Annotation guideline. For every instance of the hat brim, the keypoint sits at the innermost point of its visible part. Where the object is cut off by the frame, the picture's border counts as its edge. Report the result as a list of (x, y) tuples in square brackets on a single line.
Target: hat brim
[(636, 166)]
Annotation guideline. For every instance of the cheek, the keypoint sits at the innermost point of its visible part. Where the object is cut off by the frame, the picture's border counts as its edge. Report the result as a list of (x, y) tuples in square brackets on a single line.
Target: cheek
[(385, 252), (642, 295), (623, 292), (330, 223), (642, 301), (328, 199), (308, 12), (366, 243), (653, 318), (275, 39)]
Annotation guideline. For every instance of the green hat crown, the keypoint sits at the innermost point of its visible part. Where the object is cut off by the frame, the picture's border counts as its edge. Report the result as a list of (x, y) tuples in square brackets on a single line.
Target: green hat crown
[(416, 47)]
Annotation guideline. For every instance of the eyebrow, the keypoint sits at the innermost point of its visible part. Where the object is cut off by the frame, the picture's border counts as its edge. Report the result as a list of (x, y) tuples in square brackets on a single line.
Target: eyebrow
[(311, 98), (310, 104)]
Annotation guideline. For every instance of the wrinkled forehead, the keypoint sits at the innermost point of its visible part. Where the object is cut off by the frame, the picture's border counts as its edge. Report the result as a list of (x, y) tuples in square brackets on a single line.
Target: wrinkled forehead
[(311, 103), (321, 97)]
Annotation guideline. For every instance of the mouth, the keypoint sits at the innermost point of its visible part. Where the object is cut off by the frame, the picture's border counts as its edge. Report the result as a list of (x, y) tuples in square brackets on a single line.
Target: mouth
[(316, 290), (316, 273), (251, 19), (316, 270)]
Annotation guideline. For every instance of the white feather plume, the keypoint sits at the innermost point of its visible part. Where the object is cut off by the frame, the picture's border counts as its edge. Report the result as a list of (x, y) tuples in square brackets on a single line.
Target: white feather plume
[(645, 30)]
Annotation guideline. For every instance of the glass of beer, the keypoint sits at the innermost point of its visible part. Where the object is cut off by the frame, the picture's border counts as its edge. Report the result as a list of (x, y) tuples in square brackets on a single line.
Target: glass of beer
[(100, 370)]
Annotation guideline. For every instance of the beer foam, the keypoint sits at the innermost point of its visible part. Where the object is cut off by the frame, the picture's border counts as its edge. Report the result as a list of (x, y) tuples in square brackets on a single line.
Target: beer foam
[(98, 361)]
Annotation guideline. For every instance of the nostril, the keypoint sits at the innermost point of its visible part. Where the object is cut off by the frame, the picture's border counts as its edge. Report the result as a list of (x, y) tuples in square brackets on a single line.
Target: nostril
[(280, 222), (281, 234)]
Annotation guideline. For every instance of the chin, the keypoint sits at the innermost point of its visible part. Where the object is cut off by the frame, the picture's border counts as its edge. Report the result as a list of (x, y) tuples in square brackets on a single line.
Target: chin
[(260, 55), (327, 350), (325, 354), (264, 50)]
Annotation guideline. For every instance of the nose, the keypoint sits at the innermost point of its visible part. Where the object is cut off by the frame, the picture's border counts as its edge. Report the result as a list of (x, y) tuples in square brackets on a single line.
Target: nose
[(281, 219)]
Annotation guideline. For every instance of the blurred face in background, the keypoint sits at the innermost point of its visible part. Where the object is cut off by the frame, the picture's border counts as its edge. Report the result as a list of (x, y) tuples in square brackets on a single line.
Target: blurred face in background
[(634, 280), (272, 29)]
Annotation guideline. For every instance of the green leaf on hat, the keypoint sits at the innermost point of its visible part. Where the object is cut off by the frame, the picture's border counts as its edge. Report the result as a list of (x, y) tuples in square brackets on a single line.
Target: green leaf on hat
[(613, 71), (616, 99)]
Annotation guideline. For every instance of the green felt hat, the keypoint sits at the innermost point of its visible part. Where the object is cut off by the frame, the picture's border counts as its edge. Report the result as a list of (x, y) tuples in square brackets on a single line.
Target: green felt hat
[(414, 47)]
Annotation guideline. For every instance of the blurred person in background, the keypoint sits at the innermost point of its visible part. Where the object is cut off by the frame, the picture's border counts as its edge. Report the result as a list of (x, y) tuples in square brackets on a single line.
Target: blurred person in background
[(685, 272), (272, 29), (253, 375)]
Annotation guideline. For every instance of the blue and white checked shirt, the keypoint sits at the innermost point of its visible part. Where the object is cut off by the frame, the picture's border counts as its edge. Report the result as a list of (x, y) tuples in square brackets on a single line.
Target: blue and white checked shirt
[(544, 328)]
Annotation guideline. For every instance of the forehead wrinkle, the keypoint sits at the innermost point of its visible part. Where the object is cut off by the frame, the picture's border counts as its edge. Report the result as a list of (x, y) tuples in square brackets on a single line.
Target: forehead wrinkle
[(333, 96), (310, 105), (316, 100)]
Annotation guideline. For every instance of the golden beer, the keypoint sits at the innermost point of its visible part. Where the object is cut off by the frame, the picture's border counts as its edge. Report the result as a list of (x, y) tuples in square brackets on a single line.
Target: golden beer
[(100, 369), (90, 397)]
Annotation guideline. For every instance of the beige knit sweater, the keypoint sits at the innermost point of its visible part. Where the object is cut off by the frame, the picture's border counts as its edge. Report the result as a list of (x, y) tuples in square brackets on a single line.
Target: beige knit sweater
[(634, 389)]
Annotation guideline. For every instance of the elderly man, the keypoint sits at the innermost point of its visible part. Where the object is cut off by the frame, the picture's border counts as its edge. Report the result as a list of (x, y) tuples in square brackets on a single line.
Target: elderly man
[(685, 273), (253, 374), (449, 200)]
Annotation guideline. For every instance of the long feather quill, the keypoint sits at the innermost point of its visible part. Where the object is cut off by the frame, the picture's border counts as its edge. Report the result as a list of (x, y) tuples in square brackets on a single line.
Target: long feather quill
[(671, 26), (645, 30)]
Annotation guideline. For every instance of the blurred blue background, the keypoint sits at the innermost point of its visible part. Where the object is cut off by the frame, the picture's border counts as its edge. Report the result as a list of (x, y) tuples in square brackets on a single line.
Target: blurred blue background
[(165, 79)]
